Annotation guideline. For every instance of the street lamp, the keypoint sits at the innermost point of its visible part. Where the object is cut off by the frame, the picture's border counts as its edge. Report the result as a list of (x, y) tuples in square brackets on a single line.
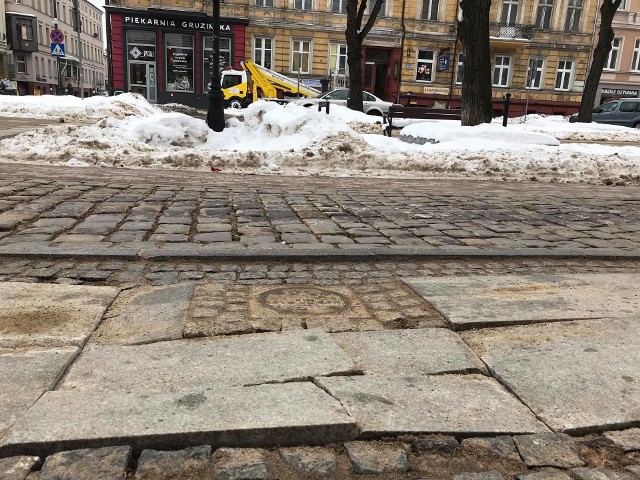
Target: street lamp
[(215, 114)]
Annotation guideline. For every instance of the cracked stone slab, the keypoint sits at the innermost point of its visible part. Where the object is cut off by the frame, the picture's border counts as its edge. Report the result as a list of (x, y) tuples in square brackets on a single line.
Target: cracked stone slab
[(26, 375), (264, 415), (146, 315), (409, 352), (204, 364), (479, 300), (576, 376), (450, 404), (50, 315)]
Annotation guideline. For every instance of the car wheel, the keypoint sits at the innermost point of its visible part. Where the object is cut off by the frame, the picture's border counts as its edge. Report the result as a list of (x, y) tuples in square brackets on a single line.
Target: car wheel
[(235, 103), (376, 113), (636, 125)]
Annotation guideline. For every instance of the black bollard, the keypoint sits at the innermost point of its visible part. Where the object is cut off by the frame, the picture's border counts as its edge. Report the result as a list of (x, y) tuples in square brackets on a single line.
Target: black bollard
[(505, 115)]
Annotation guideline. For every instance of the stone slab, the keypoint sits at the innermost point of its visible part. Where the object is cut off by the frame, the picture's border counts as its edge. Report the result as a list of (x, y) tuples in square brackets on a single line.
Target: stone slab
[(241, 464), (108, 463), (409, 352), (549, 450), (628, 440), (26, 375), (50, 315), (577, 376), (146, 315), (193, 462), (481, 300), (16, 468), (376, 458), (264, 415), (203, 364), (452, 404)]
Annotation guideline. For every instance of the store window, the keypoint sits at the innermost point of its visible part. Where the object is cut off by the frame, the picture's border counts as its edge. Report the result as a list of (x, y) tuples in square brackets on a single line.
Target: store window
[(263, 51), (502, 71), (564, 76), (545, 9), (207, 53), (301, 56), (424, 67), (179, 62)]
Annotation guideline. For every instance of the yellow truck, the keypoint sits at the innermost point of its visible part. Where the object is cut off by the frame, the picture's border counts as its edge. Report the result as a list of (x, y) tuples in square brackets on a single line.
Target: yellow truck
[(253, 82)]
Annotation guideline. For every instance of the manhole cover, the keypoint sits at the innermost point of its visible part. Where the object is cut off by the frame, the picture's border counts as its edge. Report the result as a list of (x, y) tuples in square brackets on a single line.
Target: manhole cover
[(304, 301)]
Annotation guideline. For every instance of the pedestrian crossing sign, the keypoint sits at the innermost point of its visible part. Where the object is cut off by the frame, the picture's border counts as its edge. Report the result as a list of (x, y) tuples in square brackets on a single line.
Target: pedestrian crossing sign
[(57, 49)]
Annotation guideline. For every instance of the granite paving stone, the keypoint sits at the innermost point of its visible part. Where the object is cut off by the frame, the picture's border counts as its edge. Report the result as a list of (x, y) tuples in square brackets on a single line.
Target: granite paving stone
[(310, 460), (478, 476), (454, 404), (50, 314), (146, 315), (599, 473), (377, 458), (511, 299), (501, 446), (549, 450), (17, 468), (186, 365), (192, 463), (108, 463), (568, 399), (409, 352), (240, 464), (265, 415), (628, 440)]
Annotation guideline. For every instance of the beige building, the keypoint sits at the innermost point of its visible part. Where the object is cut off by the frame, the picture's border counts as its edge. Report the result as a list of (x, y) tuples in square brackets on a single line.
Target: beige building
[(621, 75), (540, 48), (36, 71), (5, 52)]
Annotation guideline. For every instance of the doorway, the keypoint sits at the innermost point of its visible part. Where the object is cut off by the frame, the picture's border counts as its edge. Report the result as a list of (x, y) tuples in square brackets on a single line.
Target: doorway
[(376, 72), (142, 80)]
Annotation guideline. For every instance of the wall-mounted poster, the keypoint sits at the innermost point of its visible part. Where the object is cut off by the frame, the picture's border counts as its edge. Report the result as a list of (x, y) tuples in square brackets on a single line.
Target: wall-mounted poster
[(179, 62)]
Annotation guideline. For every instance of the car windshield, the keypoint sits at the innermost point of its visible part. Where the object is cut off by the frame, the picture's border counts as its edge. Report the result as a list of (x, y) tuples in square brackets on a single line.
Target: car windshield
[(607, 107)]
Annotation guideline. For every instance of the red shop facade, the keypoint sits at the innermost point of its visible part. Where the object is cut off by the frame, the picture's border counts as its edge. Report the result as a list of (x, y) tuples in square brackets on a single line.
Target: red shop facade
[(165, 55)]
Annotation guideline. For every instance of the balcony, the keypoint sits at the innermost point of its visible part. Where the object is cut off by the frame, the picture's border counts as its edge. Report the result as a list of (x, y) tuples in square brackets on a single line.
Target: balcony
[(505, 31)]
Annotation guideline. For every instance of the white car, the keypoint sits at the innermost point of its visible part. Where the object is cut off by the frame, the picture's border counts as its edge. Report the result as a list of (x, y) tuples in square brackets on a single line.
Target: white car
[(372, 104)]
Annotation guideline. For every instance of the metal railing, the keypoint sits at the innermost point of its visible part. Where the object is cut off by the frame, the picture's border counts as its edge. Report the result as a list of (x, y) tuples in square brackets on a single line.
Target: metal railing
[(505, 30)]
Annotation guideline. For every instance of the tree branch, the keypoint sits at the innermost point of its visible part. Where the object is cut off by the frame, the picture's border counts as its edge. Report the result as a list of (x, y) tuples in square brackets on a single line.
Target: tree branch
[(372, 18)]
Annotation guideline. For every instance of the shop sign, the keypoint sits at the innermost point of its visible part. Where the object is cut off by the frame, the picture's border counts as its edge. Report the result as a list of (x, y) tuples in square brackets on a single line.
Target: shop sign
[(619, 91), (139, 52), (183, 24), (435, 90), (444, 59)]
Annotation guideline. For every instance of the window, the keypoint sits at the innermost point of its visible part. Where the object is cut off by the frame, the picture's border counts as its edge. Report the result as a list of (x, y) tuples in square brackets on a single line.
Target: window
[(301, 56), (179, 62), (564, 76), (21, 63), (629, 106), (264, 3), (49, 70), (383, 9), (223, 62), (424, 71), (302, 4), (509, 12), (623, 5), (635, 62), (502, 71), (535, 76), (339, 6), (545, 10), (608, 107), (44, 72), (430, 9), (25, 29), (263, 51), (612, 61), (337, 59), (460, 68), (574, 11)]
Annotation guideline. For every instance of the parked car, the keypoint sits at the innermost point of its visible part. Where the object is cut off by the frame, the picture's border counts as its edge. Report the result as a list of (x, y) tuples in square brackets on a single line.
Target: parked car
[(103, 93), (624, 112), (6, 87), (372, 104)]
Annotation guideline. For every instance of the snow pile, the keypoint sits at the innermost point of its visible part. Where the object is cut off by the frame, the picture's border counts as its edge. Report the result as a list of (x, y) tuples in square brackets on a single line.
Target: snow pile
[(487, 133), (296, 140), (70, 107)]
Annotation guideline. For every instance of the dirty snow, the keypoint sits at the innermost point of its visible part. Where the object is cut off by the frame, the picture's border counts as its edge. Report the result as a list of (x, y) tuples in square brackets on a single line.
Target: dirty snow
[(295, 140)]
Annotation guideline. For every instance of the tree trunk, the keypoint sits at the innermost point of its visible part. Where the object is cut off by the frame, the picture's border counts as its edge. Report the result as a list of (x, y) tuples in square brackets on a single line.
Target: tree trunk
[(473, 31), (600, 56)]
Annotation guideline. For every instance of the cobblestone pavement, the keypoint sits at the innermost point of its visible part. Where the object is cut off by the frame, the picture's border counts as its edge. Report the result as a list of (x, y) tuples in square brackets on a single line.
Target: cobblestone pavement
[(140, 211)]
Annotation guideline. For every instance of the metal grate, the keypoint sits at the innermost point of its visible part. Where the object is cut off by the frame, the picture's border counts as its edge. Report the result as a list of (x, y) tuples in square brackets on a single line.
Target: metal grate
[(504, 30)]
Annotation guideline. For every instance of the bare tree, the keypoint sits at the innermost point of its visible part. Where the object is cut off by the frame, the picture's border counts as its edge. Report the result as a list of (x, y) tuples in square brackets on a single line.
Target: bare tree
[(473, 31), (355, 35), (600, 56)]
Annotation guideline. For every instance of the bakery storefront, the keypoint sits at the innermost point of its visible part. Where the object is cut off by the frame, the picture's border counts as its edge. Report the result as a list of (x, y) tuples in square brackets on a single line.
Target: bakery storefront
[(165, 55)]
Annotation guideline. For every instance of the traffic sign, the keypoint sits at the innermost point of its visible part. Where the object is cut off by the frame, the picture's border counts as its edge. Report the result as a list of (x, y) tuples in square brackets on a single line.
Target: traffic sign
[(56, 36), (57, 49)]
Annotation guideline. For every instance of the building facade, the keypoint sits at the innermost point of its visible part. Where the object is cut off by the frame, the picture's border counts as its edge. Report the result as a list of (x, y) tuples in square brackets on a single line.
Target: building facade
[(540, 48), (621, 75), (5, 52), (29, 24)]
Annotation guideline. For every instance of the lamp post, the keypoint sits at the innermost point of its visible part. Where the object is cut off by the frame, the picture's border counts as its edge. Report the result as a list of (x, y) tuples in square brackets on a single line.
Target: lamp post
[(215, 113)]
